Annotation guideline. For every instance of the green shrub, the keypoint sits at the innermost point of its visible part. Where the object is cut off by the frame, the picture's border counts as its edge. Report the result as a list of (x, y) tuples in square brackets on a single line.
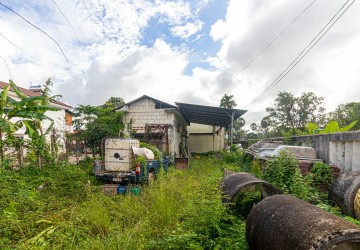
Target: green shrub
[(244, 202), (283, 172), (255, 168), (321, 175)]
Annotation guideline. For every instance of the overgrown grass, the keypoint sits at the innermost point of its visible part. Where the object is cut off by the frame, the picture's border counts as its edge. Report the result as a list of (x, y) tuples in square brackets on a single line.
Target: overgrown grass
[(63, 208)]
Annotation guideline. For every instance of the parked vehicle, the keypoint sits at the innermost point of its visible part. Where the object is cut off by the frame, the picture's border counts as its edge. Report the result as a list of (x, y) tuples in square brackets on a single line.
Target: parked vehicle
[(122, 165)]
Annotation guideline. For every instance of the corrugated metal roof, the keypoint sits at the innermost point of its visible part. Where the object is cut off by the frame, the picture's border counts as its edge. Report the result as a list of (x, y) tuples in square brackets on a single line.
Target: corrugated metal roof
[(208, 115)]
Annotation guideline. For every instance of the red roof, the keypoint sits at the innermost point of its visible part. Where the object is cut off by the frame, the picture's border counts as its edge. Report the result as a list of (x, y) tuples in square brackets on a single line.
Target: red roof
[(31, 93)]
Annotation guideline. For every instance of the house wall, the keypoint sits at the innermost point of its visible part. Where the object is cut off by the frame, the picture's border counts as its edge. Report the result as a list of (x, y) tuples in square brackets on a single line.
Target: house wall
[(205, 138), (144, 112)]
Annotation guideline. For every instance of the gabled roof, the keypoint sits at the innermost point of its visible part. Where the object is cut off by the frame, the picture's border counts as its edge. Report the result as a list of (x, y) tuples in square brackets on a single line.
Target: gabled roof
[(208, 115), (158, 104), (31, 93), (200, 114)]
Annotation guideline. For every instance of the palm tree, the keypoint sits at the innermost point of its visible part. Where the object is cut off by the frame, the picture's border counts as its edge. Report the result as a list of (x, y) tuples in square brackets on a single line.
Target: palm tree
[(227, 101)]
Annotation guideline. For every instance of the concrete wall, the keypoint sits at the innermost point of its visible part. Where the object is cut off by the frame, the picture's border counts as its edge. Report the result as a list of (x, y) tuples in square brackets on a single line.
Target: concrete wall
[(338, 149)]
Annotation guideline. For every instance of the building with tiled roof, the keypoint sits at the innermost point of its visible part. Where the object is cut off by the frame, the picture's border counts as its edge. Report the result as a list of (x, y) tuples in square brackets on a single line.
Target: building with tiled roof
[(62, 118)]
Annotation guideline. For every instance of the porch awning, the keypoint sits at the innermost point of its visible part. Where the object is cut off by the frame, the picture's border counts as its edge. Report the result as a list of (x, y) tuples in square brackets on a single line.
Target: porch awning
[(208, 115)]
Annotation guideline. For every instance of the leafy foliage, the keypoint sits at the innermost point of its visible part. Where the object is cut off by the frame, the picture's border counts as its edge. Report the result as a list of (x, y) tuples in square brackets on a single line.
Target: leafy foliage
[(284, 173), (93, 123), (227, 101), (346, 114), (238, 129), (331, 127), (322, 174), (292, 113), (28, 112)]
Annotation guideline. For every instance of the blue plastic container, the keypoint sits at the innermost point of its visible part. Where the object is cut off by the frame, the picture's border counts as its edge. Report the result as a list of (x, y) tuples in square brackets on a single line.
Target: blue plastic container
[(136, 191), (121, 190)]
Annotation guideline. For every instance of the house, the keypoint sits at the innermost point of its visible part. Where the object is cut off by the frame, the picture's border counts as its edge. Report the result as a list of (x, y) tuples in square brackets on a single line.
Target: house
[(178, 129), (62, 118), (157, 122)]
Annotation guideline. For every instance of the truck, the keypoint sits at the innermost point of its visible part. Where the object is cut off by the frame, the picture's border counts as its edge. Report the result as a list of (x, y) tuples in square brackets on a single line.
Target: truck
[(120, 165)]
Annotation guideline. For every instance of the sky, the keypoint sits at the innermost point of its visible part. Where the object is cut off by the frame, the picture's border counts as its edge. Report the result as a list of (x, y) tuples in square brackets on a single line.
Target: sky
[(182, 51)]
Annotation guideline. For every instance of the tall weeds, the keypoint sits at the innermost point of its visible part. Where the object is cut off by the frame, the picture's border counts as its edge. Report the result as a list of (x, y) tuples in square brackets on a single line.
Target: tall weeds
[(180, 210)]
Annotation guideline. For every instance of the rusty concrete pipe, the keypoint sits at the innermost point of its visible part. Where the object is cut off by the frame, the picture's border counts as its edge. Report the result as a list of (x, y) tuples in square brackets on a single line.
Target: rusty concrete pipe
[(234, 184), (286, 222), (344, 191)]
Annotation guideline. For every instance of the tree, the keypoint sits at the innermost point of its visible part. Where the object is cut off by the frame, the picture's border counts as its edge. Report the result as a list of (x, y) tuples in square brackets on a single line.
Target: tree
[(346, 114), (291, 114), (309, 108), (283, 114), (113, 102), (227, 101), (93, 123), (238, 131)]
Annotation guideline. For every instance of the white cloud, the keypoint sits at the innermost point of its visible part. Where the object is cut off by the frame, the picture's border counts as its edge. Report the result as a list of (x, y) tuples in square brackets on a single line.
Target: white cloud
[(111, 61), (151, 71), (249, 26), (187, 30), (218, 30)]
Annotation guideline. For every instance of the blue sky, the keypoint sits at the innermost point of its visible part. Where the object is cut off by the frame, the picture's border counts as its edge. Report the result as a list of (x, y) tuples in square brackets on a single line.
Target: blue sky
[(181, 51)]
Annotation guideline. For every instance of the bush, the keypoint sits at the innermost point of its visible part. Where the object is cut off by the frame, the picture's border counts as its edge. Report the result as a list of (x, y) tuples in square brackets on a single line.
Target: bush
[(321, 175), (284, 173)]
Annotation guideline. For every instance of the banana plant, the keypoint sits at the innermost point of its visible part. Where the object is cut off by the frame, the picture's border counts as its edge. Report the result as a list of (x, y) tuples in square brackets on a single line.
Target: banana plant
[(331, 127), (28, 111)]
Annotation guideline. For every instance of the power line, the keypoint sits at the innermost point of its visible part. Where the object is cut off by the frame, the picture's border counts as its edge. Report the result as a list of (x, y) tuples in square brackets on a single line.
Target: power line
[(72, 27), (10, 41), (307, 49), (7, 68), (36, 27), (272, 41)]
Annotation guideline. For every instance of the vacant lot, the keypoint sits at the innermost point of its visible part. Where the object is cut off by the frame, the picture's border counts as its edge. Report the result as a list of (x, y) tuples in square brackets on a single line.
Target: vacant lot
[(63, 207)]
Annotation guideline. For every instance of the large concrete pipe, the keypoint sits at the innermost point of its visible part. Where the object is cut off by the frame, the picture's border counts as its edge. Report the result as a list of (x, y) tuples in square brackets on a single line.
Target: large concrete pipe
[(286, 222), (344, 192), (234, 184)]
